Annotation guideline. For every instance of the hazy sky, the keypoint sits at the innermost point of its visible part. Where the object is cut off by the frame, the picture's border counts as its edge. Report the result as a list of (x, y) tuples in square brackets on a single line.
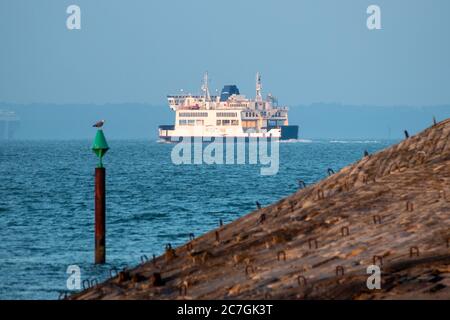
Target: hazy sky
[(307, 51)]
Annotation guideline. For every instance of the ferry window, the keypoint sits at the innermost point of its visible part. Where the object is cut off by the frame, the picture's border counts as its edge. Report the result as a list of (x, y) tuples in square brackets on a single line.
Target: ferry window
[(219, 122), (182, 122), (227, 114), (193, 114), (200, 122), (226, 122), (191, 122), (234, 122)]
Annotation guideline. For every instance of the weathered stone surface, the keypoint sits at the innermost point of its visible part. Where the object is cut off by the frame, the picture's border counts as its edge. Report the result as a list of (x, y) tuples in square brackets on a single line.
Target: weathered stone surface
[(391, 208)]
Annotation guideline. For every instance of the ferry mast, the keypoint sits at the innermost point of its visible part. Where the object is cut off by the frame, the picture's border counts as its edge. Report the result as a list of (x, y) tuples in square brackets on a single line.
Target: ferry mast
[(258, 87), (205, 88)]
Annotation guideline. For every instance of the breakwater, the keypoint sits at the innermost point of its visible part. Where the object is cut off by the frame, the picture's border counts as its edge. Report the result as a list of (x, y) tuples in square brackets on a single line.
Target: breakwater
[(390, 209)]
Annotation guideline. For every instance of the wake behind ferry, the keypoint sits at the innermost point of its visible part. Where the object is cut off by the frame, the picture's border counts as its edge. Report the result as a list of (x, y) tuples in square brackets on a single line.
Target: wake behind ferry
[(228, 115)]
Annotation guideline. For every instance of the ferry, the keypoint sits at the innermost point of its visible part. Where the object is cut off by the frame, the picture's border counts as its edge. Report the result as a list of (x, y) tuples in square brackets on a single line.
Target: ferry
[(228, 115)]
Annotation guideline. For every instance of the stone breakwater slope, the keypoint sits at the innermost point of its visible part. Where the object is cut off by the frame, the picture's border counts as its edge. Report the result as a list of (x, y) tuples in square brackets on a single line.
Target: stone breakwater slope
[(391, 208)]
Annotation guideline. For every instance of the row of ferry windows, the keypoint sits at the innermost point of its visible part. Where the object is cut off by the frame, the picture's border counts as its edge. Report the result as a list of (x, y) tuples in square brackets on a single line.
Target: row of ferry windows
[(227, 114), (191, 122), (263, 113), (193, 114), (184, 122), (205, 114), (227, 122)]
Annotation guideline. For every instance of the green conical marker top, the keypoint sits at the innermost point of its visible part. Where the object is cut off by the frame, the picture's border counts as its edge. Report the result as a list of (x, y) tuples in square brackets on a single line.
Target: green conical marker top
[(100, 146)]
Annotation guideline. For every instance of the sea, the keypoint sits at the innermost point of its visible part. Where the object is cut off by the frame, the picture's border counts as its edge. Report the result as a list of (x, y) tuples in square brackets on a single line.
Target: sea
[(47, 203)]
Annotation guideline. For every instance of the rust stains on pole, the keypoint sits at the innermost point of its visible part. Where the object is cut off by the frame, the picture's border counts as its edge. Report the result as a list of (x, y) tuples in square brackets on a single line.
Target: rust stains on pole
[(100, 213)]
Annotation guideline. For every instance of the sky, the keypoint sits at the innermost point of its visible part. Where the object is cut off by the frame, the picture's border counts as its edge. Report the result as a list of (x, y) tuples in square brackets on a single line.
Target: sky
[(310, 51)]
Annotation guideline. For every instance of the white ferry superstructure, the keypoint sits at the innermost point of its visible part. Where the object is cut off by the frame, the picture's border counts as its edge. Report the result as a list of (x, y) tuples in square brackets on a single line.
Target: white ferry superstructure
[(229, 114)]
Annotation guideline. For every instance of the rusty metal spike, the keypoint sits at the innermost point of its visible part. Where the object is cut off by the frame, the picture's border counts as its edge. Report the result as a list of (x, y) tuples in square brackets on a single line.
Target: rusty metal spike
[(301, 280), (249, 267), (313, 241), (341, 270), (262, 218), (282, 252), (345, 231), (377, 219), (409, 206), (414, 251), (320, 194), (217, 236), (183, 290), (377, 258)]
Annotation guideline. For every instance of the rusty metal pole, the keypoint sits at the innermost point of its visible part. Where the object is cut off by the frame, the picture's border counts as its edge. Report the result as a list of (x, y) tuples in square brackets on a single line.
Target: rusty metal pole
[(100, 147), (100, 211)]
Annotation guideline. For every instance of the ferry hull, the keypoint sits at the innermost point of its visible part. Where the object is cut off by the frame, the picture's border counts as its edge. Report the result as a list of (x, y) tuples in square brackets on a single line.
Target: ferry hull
[(166, 133), (289, 133)]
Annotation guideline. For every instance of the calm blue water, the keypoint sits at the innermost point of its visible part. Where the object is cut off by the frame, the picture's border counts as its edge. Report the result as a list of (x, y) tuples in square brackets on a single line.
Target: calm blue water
[(46, 203)]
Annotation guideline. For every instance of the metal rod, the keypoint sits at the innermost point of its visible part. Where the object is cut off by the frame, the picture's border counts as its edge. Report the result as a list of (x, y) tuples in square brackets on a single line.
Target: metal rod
[(301, 281), (100, 221)]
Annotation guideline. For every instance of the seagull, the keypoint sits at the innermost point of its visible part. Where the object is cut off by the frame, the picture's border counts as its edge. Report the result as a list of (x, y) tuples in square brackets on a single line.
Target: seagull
[(99, 124)]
